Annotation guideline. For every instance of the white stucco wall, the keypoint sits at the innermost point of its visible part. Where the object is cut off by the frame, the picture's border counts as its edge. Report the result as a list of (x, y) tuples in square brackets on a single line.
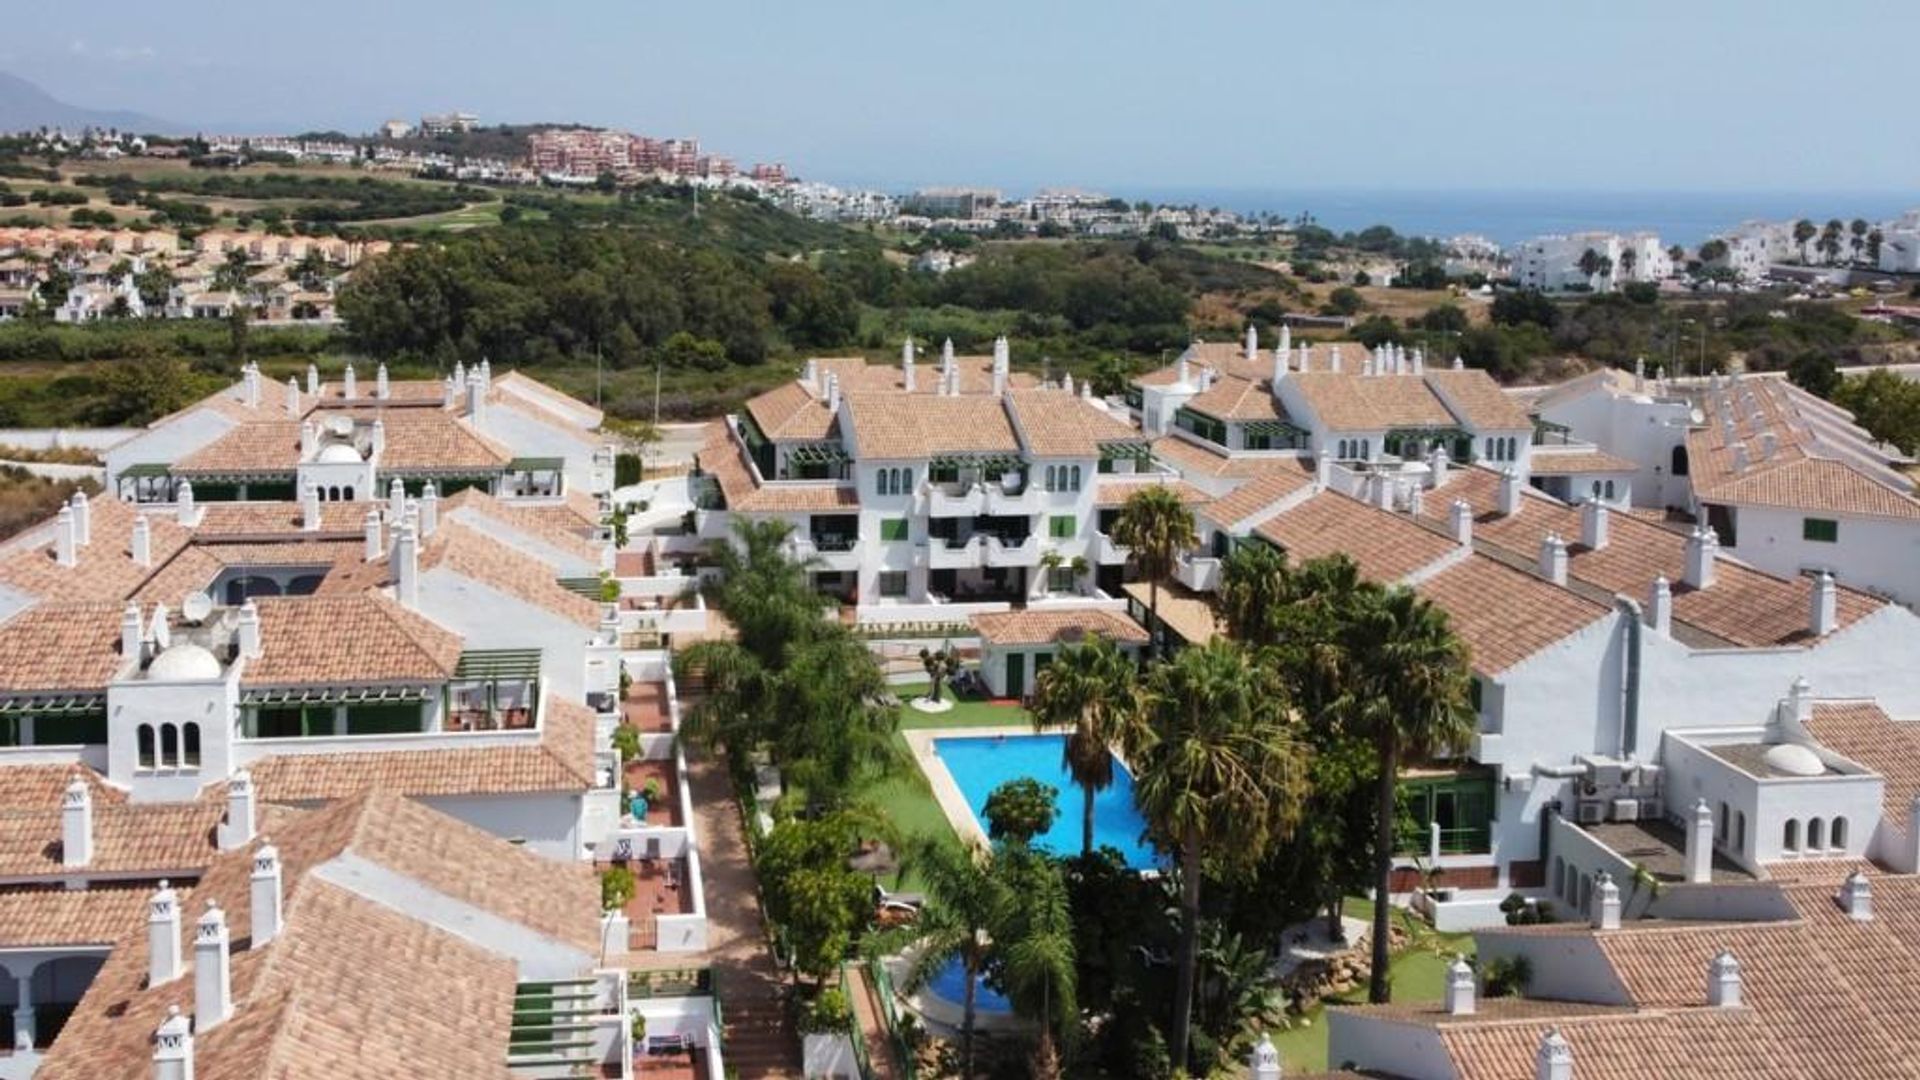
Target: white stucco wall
[(549, 823), (1877, 554)]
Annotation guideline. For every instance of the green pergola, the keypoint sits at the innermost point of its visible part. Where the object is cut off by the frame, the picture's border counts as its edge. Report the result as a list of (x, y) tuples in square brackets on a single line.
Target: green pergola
[(983, 462), (52, 704), (1126, 450), (817, 453), (336, 695), (536, 464), (496, 665)]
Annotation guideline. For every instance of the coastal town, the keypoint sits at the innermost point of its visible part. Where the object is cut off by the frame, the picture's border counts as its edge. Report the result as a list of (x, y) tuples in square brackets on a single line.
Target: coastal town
[(675, 571)]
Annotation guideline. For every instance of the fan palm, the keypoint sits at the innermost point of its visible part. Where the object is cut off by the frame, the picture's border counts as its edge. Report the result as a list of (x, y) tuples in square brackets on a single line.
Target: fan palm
[(1254, 588), (1219, 779), (1156, 527), (1095, 688), (964, 900)]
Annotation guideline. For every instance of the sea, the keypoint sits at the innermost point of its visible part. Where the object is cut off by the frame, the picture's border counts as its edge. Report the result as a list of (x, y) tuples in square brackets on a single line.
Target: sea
[(1507, 217)]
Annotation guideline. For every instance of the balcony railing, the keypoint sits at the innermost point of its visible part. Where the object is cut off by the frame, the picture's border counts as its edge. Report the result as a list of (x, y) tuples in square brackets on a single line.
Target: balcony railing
[(946, 555), (1013, 553), (1001, 502), (1108, 553), (955, 500), (1199, 573)]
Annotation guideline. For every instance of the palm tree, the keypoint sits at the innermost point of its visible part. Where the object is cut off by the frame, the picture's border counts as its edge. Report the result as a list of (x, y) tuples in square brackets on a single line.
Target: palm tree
[(1033, 946), (1858, 227), (1156, 527), (763, 590), (1095, 688), (1218, 777), (1253, 591), (1589, 264), (1829, 244), (1803, 231), (964, 901), (1627, 260), (1409, 689)]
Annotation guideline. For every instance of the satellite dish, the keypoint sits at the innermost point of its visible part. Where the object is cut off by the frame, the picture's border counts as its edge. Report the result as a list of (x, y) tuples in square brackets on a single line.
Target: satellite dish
[(196, 607)]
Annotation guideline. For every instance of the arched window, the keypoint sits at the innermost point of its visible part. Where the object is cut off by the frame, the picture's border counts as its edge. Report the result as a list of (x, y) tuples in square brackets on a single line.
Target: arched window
[(190, 745), (1791, 841), (1679, 462), (1051, 484), (1816, 834), (1609, 490), (1586, 893), (1076, 478), (1720, 826), (169, 746), (347, 493), (143, 738), (1740, 830), (1343, 449), (906, 481), (1837, 837), (1596, 489)]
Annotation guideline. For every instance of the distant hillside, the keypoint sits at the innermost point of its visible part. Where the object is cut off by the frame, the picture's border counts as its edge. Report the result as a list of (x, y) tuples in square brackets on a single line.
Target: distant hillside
[(24, 105)]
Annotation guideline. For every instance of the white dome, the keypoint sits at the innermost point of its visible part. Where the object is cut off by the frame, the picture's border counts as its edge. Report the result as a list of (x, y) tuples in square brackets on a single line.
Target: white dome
[(184, 662), (337, 454), (1792, 759)]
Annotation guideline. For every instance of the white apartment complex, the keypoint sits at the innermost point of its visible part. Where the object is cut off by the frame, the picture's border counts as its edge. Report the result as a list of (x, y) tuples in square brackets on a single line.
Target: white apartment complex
[(1553, 263)]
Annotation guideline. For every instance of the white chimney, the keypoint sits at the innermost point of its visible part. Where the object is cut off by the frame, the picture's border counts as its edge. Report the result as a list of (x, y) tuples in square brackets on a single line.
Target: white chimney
[(1593, 525), (1700, 844), (1660, 607), (1323, 470), (375, 543), (906, 366), (250, 381), (1086, 389), (1253, 342), (293, 396), (1420, 362), (1740, 458), (1286, 343), (396, 501), (812, 376), (309, 440), (265, 896), (1264, 1063), (429, 509), (82, 518), (1280, 359), (1553, 559), (1066, 382), (833, 393), (1459, 994), (1723, 981), (1826, 605), (249, 630), (140, 544), (173, 1047), (66, 537), (1509, 493), (450, 393), (1554, 1061), (1460, 516), (1183, 375), (476, 400), (163, 936), (1856, 897), (1437, 464), (237, 830), (1333, 359), (310, 507), (132, 634), (406, 568), (76, 824), (1306, 357), (1383, 491), (1606, 904), (946, 355), (1459, 364), (460, 372), (1701, 545), (351, 385), (381, 387), (313, 379), (1639, 373), (1416, 500), (212, 970), (1797, 712), (377, 435)]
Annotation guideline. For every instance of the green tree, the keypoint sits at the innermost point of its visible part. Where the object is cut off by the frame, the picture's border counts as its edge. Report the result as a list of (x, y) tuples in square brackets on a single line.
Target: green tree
[(1219, 778), (155, 286), (684, 352), (1713, 250), (1408, 689), (1444, 318), (1019, 810), (809, 890), (1594, 265), (1815, 373), (1803, 232), (1345, 300), (1036, 962), (232, 273), (1829, 242), (1857, 227), (1875, 240), (140, 391), (1628, 259), (1155, 527), (1887, 405), (965, 901), (1524, 306), (1253, 591), (1094, 688)]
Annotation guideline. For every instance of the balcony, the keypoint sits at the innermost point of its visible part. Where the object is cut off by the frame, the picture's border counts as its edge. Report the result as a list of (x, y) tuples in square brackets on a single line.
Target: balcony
[(1199, 573), (835, 553), (1023, 553), (954, 500), (1002, 503), (945, 555), (1108, 553)]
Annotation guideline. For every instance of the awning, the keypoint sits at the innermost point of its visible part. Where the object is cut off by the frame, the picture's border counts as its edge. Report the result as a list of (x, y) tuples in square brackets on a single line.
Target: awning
[(234, 476), (332, 695), (150, 468), (984, 462), (497, 664), (536, 464), (1128, 450), (1272, 427), (52, 704), (588, 587)]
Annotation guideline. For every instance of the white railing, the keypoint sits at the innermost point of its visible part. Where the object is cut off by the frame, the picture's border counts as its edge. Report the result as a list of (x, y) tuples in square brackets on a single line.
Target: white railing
[(1026, 553), (942, 501), (1028, 500), (803, 549), (1199, 573), (944, 556), (1108, 553)]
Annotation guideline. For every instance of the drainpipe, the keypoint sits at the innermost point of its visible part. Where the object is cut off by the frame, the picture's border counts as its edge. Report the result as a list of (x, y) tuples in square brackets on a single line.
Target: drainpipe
[(1630, 680)]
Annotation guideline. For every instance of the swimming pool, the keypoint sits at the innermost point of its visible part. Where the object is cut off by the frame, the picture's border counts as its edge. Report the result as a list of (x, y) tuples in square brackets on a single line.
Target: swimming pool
[(950, 983), (980, 763)]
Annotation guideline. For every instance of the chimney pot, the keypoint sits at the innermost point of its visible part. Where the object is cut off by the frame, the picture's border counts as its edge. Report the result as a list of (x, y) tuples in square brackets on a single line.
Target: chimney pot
[(1253, 342), (212, 969), (406, 557), (132, 634), (1701, 547), (1553, 559), (377, 435), (1825, 615), (1437, 464), (1509, 493), (1606, 908), (140, 545), (351, 385), (310, 507), (249, 630), (1593, 524), (375, 543), (1461, 518), (82, 518), (1554, 1061), (429, 509), (293, 396), (313, 379), (173, 1047), (1856, 897), (163, 936), (833, 393), (1264, 1063), (1723, 981), (380, 385), (65, 538), (476, 399), (396, 501), (237, 830), (1660, 607), (76, 824), (1699, 853), (309, 440), (1459, 992), (265, 896)]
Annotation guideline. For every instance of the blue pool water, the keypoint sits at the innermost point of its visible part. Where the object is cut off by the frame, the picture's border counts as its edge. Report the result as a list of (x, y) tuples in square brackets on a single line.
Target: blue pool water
[(950, 982), (981, 763)]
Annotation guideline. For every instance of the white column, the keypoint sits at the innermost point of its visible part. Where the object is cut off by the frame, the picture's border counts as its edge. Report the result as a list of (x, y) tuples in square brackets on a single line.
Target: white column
[(23, 1030)]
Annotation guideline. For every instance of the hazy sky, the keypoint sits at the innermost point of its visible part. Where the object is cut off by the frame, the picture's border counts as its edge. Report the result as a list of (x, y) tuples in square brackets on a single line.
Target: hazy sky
[(1287, 94)]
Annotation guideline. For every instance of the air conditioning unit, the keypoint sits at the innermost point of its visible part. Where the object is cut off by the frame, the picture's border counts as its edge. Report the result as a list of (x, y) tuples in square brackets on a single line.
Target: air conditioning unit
[(1590, 812), (1625, 810)]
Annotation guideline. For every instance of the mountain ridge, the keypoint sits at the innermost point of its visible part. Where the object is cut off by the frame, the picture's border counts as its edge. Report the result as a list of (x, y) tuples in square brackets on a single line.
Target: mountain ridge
[(24, 105)]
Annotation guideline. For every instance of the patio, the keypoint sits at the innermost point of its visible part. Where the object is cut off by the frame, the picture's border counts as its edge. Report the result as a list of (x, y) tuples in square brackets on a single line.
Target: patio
[(664, 808), (659, 888), (644, 708)]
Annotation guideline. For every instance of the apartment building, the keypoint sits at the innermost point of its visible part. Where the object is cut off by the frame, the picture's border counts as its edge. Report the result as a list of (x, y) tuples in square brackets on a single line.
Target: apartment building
[(1553, 263)]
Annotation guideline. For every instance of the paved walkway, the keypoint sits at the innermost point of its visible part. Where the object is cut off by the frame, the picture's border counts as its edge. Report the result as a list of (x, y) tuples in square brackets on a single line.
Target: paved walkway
[(760, 1041), (869, 1014)]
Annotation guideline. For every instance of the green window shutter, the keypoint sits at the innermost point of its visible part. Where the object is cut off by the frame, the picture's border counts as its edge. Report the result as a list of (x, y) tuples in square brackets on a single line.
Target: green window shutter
[(893, 528), (1820, 530), (1062, 526)]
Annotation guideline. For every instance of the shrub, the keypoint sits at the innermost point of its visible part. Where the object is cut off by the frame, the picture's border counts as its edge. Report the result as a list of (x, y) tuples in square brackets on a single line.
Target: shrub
[(616, 887), (627, 741), (828, 1014)]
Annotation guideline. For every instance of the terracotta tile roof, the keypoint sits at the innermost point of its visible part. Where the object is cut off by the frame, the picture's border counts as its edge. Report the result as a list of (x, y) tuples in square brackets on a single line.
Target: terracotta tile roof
[(60, 647), (1699, 1045), (1384, 546), (518, 383), (1862, 731), (1192, 459), (1817, 484), (723, 460), (44, 916), (1549, 463), (1056, 627), (920, 426), (788, 411), (1346, 402), (476, 556), (1744, 606), (361, 638), (223, 519), (1233, 398), (35, 786), (1054, 423), (561, 760), (430, 440), (976, 375), (192, 570), (261, 447), (153, 839), (1473, 396), (1255, 496), (1184, 612), (1111, 490), (350, 987), (1504, 615), (104, 569), (1806, 471), (559, 529)]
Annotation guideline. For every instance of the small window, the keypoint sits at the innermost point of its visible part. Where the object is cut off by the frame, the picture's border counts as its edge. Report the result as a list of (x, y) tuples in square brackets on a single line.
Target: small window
[(1051, 481), (1609, 490), (190, 745), (893, 528), (1820, 530), (893, 583), (882, 480), (1837, 837), (144, 741), (1076, 479), (1060, 579), (1816, 834), (1062, 527), (169, 746), (1791, 841)]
